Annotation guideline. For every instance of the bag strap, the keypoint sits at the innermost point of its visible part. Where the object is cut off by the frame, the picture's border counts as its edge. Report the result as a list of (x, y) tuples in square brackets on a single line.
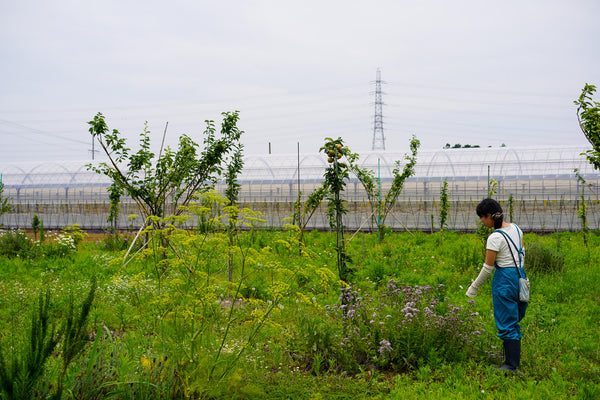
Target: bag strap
[(519, 248), (507, 238)]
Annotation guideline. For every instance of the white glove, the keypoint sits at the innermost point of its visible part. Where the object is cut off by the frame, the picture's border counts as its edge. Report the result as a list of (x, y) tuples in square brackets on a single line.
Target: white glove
[(471, 291), (483, 275)]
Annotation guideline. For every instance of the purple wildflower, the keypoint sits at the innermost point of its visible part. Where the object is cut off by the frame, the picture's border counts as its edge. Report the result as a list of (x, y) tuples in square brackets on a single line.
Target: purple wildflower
[(386, 347)]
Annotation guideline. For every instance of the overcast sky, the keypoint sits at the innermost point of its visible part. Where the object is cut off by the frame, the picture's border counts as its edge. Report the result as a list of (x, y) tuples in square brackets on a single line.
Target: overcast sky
[(460, 71)]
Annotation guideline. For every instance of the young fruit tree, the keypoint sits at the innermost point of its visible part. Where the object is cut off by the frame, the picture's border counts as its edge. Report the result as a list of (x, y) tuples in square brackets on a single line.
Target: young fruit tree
[(163, 185), (331, 190), (336, 175), (382, 203)]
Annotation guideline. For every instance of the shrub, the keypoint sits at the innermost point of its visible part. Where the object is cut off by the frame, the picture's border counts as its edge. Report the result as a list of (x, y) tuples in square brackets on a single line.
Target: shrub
[(317, 341), (543, 259), (59, 245), (4, 204), (15, 243), (407, 327), (35, 225), (75, 233), (115, 242), (376, 271)]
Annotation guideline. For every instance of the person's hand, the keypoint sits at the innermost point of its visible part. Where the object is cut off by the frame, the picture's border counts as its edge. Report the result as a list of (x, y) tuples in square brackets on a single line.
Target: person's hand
[(471, 292)]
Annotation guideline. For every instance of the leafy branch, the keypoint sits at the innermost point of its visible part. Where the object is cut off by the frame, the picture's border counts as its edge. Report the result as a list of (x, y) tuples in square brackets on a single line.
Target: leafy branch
[(588, 115), (303, 213), (399, 178)]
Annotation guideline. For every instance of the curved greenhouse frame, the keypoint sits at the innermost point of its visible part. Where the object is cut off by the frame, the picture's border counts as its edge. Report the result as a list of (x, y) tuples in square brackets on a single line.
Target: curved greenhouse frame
[(538, 184)]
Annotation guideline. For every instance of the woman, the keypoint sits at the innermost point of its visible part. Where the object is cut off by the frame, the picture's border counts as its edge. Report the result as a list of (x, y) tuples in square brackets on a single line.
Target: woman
[(508, 310)]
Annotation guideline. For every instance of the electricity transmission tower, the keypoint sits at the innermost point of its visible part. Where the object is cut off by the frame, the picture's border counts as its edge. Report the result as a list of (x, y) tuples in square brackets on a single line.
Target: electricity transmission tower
[(378, 137)]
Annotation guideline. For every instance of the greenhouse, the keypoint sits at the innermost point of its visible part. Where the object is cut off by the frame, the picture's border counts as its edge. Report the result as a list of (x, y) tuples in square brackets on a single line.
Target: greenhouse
[(538, 187)]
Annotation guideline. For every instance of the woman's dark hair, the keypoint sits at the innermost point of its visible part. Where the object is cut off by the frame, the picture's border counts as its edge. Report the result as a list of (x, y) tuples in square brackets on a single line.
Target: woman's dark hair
[(492, 207)]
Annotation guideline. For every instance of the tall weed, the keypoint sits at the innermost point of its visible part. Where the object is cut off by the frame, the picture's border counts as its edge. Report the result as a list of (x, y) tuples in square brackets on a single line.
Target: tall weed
[(542, 259)]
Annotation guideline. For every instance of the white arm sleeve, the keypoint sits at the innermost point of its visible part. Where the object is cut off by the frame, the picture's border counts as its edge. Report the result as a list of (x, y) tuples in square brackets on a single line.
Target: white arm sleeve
[(483, 276)]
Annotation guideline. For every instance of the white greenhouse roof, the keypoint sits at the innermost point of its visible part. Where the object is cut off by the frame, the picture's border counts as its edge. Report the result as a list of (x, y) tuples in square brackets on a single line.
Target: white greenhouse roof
[(51, 173), (451, 164)]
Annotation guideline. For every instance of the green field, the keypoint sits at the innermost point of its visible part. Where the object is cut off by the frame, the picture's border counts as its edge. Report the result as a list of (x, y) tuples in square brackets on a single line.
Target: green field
[(250, 316)]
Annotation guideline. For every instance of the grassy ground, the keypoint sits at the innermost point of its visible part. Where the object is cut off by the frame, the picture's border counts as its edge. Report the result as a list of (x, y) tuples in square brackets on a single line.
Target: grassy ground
[(150, 309)]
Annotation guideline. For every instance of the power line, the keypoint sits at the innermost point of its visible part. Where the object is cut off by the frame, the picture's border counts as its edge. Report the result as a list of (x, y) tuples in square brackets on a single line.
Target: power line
[(37, 132)]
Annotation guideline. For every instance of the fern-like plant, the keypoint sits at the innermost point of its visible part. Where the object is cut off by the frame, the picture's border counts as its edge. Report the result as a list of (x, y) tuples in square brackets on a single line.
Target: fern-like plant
[(20, 375)]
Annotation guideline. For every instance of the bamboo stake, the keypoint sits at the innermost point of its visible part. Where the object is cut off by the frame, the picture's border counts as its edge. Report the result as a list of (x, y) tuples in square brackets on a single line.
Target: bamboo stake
[(392, 214), (133, 242), (361, 225)]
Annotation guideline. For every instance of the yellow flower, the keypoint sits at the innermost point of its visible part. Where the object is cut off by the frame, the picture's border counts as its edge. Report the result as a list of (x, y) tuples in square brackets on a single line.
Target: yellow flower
[(146, 363)]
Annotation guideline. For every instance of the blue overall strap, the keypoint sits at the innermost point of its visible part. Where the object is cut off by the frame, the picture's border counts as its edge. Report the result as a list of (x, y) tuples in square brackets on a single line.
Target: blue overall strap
[(519, 249)]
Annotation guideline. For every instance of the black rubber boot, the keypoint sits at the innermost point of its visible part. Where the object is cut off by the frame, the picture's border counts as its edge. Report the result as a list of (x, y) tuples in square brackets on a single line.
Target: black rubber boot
[(512, 352)]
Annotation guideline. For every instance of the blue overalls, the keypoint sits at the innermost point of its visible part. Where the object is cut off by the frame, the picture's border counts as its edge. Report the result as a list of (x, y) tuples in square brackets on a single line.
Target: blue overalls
[(508, 310)]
